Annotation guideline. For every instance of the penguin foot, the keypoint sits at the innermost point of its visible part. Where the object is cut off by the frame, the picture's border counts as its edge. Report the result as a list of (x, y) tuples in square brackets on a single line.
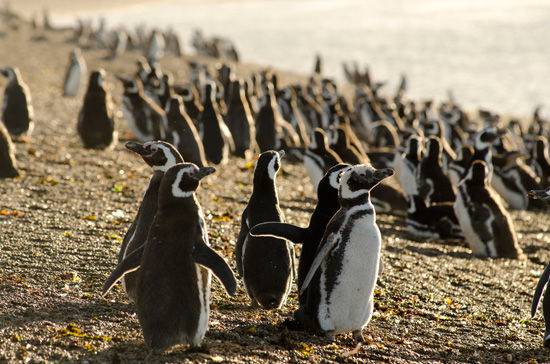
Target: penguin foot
[(330, 335), (358, 336), (293, 325)]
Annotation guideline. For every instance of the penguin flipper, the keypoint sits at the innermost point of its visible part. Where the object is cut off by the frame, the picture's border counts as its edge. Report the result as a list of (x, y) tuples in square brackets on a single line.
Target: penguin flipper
[(130, 264), (280, 230), (325, 249), (543, 280), (240, 242), (206, 256)]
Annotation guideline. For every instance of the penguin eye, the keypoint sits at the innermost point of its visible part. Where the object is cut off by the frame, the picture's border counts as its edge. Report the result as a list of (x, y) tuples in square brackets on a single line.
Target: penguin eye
[(153, 148), (191, 173)]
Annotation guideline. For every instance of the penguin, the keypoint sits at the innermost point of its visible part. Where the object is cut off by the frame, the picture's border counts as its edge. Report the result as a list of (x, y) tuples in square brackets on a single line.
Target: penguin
[(174, 265), (408, 165), (190, 97), (483, 142), (437, 128), (216, 138), (266, 264), (76, 72), (540, 161), (288, 108), (240, 121), (159, 156), (340, 143), (96, 124), (143, 115), (156, 47), (310, 237), (432, 221), (181, 132), (543, 281), (318, 157), (8, 163), (543, 195), (340, 283), (430, 172), (487, 226), (17, 110), (457, 167)]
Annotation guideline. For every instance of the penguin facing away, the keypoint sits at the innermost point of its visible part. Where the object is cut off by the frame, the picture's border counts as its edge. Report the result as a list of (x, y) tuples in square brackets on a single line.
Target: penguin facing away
[(174, 270), (96, 124), (17, 111), (266, 264), (310, 237), (76, 73), (340, 283), (181, 132), (159, 156), (239, 120), (487, 226)]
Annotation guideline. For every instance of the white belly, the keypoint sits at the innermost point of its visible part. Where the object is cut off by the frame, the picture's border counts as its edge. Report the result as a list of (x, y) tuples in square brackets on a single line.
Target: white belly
[(517, 201), (349, 306), (314, 172), (461, 211), (204, 298)]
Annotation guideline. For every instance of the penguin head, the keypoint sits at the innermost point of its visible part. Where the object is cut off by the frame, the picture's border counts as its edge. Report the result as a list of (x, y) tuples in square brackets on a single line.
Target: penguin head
[(159, 155), (132, 85), (360, 179), (181, 181), (486, 137), (318, 140), (478, 173), (12, 73), (270, 162), (540, 195), (330, 183), (174, 104), (433, 148), (97, 78), (414, 148)]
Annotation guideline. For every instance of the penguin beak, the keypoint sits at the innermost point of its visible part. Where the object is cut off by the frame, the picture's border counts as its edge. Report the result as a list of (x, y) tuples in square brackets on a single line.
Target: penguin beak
[(281, 153), (539, 195), (203, 172), (381, 174), (4, 72), (136, 148)]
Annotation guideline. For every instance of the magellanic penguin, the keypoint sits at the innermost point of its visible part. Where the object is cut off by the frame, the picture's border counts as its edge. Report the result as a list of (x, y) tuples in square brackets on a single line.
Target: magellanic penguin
[(318, 157), (540, 161), (143, 115), (266, 264), (159, 156), (543, 195), (310, 237), (181, 132), (340, 283), (216, 138), (75, 75), (430, 172), (96, 124), (457, 167), (239, 120), (483, 142), (8, 163), (409, 162), (190, 97), (17, 110), (487, 226), (174, 265)]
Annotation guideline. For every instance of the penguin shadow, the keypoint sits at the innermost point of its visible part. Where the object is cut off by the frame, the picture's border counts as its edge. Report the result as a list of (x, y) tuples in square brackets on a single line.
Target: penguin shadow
[(432, 249)]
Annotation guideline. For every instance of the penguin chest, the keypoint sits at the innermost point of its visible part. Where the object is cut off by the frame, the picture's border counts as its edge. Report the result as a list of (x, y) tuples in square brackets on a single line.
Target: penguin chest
[(407, 178), (475, 231), (74, 79), (314, 165), (348, 278), (508, 185)]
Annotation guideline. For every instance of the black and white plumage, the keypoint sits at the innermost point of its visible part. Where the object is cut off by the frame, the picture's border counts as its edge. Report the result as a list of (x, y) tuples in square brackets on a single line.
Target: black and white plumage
[(216, 138), (457, 168), (340, 283), (483, 142), (76, 74), (96, 124), (17, 109), (407, 164), (159, 156), (143, 115), (318, 157), (540, 161), (543, 195), (430, 172), (240, 121), (543, 281), (8, 163), (487, 226), (310, 237), (190, 96), (174, 270), (181, 132), (266, 264)]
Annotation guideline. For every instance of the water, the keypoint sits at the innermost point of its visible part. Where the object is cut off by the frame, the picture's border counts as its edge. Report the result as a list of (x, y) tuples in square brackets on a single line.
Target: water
[(492, 54)]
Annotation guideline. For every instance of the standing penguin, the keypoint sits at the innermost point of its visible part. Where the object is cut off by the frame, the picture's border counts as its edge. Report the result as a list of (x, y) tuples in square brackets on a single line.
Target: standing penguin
[(143, 115), (216, 137), (8, 164), (430, 172), (340, 283), (319, 157), (76, 72), (487, 226), (266, 264), (181, 132), (160, 156), (17, 110), (239, 120), (310, 237), (96, 124), (173, 284)]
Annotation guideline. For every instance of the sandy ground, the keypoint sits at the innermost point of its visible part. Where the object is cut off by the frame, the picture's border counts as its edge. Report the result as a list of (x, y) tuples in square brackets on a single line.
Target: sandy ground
[(61, 225)]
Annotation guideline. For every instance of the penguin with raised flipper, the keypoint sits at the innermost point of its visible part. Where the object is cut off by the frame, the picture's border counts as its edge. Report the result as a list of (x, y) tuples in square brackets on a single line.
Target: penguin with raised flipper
[(340, 283), (17, 110), (310, 237), (175, 264), (487, 226), (159, 156), (266, 264), (96, 123), (181, 132)]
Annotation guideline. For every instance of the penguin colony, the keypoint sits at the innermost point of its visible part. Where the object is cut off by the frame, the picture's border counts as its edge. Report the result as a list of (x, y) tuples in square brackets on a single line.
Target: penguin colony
[(455, 174)]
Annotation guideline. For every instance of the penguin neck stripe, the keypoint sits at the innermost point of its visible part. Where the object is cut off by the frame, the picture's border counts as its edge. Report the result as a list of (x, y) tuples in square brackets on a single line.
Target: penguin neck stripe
[(176, 190), (271, 169), (170, 159)]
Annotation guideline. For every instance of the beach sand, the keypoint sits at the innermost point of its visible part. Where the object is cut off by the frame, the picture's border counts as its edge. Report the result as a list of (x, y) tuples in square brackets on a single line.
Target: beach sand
[(61, 225)]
